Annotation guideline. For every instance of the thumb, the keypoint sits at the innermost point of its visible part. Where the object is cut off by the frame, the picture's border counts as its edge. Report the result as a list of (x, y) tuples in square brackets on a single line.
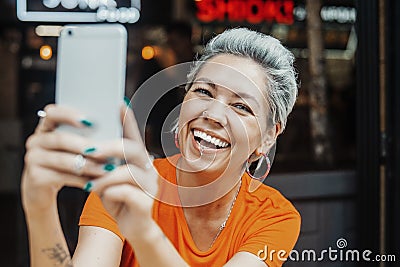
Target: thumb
[(114, 198), (129, 124)]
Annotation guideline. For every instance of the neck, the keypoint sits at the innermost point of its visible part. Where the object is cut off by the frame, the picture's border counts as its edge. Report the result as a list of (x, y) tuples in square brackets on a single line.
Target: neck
[(205, 189), (206, 222), (217, 209)]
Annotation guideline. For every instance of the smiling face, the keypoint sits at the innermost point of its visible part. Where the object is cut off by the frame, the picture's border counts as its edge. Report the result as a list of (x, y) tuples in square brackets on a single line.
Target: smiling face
[(223, 118)]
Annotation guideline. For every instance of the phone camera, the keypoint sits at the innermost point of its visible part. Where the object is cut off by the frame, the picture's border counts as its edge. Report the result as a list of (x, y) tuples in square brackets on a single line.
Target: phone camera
[(69, 32)]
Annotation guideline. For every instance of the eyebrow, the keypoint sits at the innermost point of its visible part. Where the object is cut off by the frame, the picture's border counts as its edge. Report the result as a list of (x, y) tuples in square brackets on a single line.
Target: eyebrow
[(243, 95), (205, 80)]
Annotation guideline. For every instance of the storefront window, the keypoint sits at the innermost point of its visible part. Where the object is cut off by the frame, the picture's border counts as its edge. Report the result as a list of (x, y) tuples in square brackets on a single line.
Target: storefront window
[(286, 20)]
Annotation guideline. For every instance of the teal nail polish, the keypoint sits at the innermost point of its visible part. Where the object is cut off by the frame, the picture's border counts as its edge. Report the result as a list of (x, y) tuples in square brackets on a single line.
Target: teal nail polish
[(89, 150), (109, 167), (86, 123), (88, 186), (128, 102)]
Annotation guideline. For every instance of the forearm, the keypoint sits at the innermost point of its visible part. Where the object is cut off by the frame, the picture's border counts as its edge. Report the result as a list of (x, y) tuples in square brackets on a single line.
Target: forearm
[(47, 243), (153, 248)]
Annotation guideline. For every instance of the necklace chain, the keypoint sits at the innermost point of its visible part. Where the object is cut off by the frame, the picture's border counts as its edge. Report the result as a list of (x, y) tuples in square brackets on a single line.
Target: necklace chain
[(223, 225)]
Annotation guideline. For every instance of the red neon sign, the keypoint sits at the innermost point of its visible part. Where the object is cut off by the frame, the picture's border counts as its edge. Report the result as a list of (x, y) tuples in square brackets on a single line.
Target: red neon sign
[(252, 11)]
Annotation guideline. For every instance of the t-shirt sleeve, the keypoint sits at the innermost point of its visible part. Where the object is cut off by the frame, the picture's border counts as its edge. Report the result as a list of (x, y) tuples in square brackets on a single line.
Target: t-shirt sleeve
[(94, 214), (273, 234)]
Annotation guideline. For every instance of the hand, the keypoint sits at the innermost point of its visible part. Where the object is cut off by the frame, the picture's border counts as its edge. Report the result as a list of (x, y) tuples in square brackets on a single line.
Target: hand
[(127, 192), (50, 158)]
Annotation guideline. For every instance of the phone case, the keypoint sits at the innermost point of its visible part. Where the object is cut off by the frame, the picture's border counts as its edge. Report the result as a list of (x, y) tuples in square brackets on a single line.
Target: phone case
[(91, 66)]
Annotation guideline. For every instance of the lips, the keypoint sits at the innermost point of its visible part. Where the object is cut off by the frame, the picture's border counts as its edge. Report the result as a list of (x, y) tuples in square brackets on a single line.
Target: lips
[(209, 140)]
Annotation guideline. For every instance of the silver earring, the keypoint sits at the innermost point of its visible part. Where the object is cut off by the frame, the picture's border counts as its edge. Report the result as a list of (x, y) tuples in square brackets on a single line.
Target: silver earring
[(261, 178), (204, 114)]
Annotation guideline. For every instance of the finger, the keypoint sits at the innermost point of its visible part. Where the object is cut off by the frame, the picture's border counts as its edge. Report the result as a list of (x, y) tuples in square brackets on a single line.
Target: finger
[(129, 124), (130, 151), (56, 115), (118, 193), (68, 163), (119, 175), (124, 196), (62, 141), (122, 193), (45, 177), (146, 180)]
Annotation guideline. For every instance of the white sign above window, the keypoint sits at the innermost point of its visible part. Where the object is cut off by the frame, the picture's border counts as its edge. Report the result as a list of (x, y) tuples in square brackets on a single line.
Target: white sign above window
[(127, 11)]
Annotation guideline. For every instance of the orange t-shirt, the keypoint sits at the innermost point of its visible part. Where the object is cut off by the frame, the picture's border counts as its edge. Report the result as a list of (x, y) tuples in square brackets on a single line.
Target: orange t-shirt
[(261, 222)]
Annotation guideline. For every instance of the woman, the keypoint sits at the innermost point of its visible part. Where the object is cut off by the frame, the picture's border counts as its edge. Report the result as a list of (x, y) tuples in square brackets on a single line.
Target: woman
[(202, 207)]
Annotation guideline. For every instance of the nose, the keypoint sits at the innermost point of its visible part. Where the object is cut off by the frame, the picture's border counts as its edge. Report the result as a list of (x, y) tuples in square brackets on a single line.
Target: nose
[(216, 112)]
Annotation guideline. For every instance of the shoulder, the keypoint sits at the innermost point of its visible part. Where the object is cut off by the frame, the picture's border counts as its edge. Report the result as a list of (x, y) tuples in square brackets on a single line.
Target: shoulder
[(267, 209), (266, 219), (94, 214), (262, 196)]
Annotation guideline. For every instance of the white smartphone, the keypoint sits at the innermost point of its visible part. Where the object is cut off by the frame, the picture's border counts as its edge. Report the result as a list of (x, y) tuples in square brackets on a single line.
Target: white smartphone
[(91, 66)]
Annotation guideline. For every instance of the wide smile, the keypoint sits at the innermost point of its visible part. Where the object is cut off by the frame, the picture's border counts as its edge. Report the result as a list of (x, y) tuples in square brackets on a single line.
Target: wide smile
[(209, 142)]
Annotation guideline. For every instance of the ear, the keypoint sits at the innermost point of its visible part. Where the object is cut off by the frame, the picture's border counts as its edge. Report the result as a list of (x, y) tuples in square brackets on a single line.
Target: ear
[(269, 140)]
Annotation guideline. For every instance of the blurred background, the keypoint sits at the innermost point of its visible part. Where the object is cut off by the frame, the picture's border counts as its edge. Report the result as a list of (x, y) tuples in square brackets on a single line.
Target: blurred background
[(338, 160)]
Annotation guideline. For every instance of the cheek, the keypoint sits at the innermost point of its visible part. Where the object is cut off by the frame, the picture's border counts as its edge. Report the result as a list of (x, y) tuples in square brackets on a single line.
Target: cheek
[(246, 132), (191, 108)]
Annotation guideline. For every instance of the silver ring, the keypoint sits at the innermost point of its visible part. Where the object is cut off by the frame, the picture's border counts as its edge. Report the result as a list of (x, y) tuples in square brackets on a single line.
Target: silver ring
[(41, 114), (79, 163), (204, 114)]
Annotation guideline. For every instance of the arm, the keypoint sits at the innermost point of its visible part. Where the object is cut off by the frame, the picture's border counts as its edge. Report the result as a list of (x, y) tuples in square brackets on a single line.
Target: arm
[(97, 247), (153, 248), (245, 259), (49, 165), (149, 243), (127, 195), (47, 243)]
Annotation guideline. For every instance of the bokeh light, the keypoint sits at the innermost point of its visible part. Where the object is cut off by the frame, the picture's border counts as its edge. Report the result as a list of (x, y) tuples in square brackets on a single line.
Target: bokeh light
[(148, 52), (46, 52)]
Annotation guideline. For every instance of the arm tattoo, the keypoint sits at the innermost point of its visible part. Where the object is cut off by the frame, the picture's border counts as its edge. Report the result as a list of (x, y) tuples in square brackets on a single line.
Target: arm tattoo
[(59, 255)]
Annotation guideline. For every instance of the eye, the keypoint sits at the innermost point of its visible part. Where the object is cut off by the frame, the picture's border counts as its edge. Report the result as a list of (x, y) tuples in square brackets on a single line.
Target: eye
[(243, 107), (203, 91)]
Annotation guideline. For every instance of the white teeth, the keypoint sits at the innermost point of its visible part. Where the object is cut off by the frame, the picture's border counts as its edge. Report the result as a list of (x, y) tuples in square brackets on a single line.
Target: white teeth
[(210, 139), (219, 143)]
